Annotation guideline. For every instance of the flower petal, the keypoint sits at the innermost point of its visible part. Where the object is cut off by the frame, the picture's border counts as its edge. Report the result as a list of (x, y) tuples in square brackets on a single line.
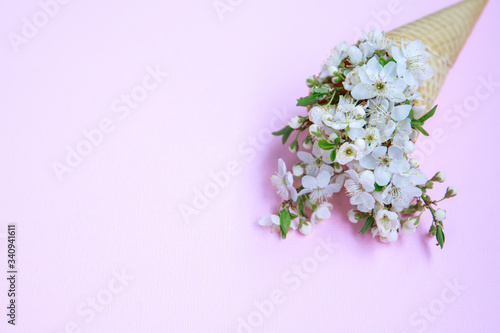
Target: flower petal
[(363, 91), (323, 178), (281, 168), (309, 182), (266, 221), (382, 175), (400, 112)]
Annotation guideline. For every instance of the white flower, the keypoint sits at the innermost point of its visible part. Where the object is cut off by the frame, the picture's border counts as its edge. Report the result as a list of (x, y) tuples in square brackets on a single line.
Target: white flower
[(440, 214), (412, 177), (402, 134), (370, 137), (400, 195), (378, 81), (373, 41), (283, 182), (412, 62), (387, 225), (346, 114), (317, 112), (346, 153), (315, 162), (339, 53), (352, 79), (319, 187), (385, 162), (384, 115), (358, 188), (321, 213), (270, 220), (412, 93), (402, 190), (410, 226)]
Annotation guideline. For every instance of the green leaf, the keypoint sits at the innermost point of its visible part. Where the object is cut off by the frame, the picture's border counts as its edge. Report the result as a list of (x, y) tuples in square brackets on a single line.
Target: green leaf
[(308, 100), (300, 201), (336, 141), (314, 98), (368, 224), (428, 115), (412, 114), (440, 236), (285, 137), (326, 145), (321, 91), (301, 222), (285, 220), (432, 230), (286, 129), (333, 155), (379, 188), (420, 128)]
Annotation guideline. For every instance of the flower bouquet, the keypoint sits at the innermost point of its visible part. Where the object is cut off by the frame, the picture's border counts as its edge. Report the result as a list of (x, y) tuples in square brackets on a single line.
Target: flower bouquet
[(365, 111)]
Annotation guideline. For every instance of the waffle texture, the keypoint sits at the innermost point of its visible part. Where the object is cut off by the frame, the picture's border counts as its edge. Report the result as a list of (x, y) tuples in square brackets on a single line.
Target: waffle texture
[(444, 33)]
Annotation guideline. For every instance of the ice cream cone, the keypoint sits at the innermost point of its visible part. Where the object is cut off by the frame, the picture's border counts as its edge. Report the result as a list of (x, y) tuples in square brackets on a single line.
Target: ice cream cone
[(444, 33)]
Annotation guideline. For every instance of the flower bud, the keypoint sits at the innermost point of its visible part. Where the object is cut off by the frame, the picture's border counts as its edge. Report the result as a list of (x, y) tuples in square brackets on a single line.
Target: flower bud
[(414, 163), (314, 129), (310, 80), (307, 144), (306, 228), (414, 135), (439, 177), (295, 122), (338, 168), (451, 192), (293, 147), (367, 174), (440, 214), (351, 215), (410, 226), (409, 147), (360, 143), (333, 136), (298, 170), (359, 112), (331, 70)]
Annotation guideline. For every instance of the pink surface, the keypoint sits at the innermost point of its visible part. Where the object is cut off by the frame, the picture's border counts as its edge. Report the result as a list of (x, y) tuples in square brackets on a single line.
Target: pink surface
[(106, 249)]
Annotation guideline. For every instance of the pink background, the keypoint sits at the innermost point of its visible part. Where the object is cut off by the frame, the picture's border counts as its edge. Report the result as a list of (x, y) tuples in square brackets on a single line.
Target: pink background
[(228, 76)]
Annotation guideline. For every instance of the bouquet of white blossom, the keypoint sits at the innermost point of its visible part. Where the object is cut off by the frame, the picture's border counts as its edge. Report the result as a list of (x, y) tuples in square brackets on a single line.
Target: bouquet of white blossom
[(365, 110)]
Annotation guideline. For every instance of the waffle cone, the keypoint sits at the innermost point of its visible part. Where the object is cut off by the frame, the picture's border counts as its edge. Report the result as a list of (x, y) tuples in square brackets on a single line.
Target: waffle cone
[(444, 33)]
